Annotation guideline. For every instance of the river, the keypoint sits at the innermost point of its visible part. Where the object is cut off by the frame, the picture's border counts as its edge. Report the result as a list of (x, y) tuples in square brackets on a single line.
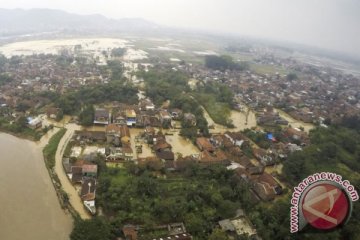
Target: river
[(30, 208)]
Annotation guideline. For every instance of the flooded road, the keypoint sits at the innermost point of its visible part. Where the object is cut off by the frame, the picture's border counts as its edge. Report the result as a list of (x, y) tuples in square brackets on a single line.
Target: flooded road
[(30, 208)]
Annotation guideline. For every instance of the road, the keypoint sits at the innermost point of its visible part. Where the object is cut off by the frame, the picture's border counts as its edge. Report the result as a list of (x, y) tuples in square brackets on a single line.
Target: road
[(74, 197)]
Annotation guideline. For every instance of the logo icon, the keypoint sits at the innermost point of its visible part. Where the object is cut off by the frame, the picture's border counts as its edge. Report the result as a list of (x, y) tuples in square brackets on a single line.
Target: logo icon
[(325, 206)]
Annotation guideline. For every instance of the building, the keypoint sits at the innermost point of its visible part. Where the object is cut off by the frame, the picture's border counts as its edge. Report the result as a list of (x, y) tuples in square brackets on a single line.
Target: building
[(204, 144), (130, 117), (101, 116)]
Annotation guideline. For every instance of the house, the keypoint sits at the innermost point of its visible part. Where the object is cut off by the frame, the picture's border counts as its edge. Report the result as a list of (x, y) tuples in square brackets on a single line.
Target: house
[(183, 236), (190, 119), (165, 118), (119, 118), (113, 134), (237, 138), (101, 116), (87, 194), (130, 232), (204, 144), (239, 225), (216, 157), (130, 115), (34, 123), (146, 105), (89, 170), (90, 136), (163, 149), (176, 114), (76, 174), (53, 112), (266, 187), (264, 158)]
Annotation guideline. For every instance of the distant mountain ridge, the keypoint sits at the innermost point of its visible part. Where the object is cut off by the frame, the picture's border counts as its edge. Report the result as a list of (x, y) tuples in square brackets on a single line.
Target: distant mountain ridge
[(19, 21)]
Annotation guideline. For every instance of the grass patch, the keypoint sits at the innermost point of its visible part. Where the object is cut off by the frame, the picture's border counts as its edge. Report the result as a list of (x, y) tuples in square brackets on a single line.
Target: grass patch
[(50, 149), (218, 111)]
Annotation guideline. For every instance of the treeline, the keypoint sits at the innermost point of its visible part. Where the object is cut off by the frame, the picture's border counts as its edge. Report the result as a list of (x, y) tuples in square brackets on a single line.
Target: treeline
[(224, 62)]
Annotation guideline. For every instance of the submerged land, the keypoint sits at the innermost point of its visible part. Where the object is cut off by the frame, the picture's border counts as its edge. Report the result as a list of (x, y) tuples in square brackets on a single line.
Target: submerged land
[(161, 137)]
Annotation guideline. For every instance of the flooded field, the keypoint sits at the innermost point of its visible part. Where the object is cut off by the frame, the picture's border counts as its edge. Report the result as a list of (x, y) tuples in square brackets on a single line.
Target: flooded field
[(241, 120), (30, 208), (95, 45), (179, 144)]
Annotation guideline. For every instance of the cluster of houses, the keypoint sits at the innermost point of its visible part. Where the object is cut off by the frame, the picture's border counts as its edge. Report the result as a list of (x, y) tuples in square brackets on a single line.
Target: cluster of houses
[(317, 92), (83, 175), (142, 115)]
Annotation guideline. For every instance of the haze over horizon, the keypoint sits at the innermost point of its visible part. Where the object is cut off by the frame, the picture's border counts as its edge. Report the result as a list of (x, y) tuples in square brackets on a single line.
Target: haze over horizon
[(328, 24)]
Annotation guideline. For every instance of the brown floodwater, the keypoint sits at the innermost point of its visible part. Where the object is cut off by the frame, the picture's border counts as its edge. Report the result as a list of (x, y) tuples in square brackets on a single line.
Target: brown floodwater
[(30, 208), (295, 123)]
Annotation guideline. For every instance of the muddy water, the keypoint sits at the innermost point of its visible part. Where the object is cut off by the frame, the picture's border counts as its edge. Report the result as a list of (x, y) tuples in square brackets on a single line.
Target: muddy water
[(29, 205), (241, 120)]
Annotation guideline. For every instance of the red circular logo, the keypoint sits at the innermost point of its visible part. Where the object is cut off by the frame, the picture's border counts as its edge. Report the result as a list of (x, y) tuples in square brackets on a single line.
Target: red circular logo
[(325, 206)]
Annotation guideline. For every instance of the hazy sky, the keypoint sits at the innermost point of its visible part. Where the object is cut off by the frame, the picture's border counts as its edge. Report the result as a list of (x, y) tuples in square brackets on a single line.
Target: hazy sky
[(333, 24)]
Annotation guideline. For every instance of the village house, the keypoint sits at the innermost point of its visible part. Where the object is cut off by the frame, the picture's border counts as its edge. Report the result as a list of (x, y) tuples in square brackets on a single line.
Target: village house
[(165, 118), (87, 194), (53, 112), (204, 144), (146, 105), (119, 118), (239, 225), (216, 157), (113, 134), (266, 187), (90, 136), (130, 117), (34, 123), (130, 232), (264, 158), (190, 119), (101, 116)]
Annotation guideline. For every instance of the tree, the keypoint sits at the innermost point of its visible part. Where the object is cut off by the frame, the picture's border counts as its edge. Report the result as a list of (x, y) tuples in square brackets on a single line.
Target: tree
[(217, 234), (86, 117), (291, 76), (93, 229)]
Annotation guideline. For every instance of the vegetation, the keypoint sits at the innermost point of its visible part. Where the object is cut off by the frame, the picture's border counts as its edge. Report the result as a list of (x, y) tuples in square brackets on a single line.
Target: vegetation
[(199, 197), (116, 68), (72, 102), (291, 76), (94, 229), (217, 99), (5, 78), (19, 127), (50, 149), (162, 85), (118, 52), (224, 63), (169, 85), (86, 116), (329, 150)]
